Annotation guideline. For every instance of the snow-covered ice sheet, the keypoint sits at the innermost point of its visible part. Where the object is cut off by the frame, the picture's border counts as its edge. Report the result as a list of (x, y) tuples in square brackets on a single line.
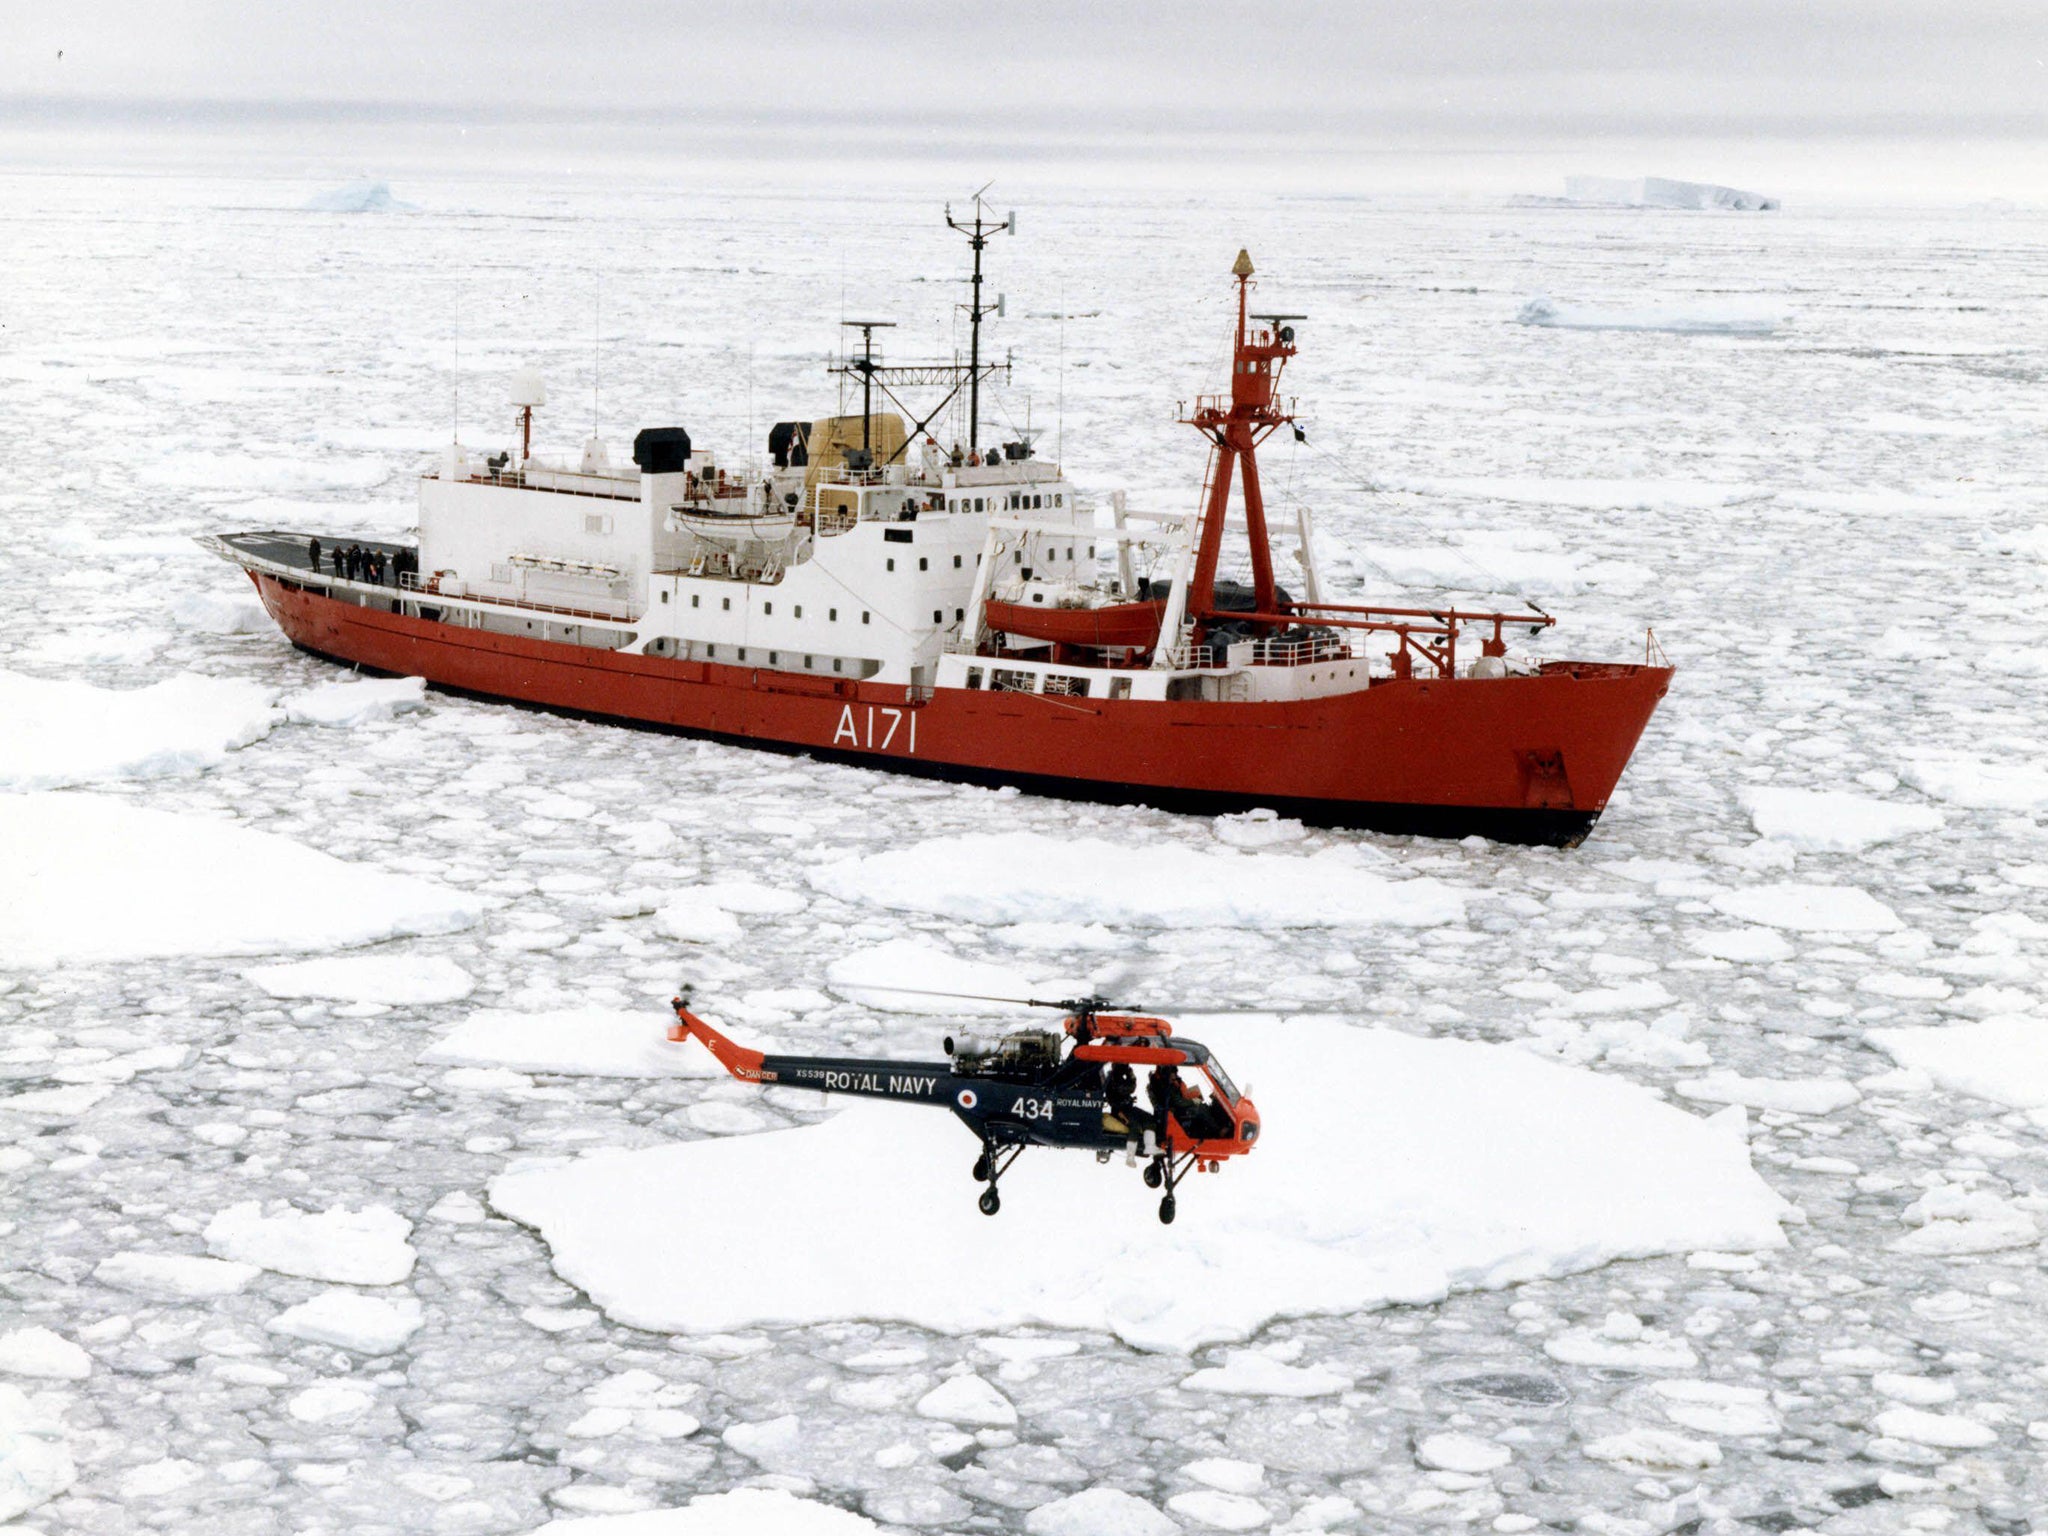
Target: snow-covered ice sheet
[(366, 1247), (912, 976), (1662, 192), (61, 732), (1017, 877), (93, 878), (1487, 1166)]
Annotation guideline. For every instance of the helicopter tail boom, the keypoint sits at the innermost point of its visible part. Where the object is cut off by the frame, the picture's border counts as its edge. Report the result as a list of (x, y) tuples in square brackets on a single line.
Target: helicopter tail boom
[(736, 1059)]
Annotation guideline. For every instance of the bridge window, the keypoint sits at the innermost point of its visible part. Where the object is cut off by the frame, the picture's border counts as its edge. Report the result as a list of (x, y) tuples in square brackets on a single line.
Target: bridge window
[(956, 562), (664, 597), (863, 616), (938, 616), (974, 677), (923, 564), (799, 610), (835, 663), (892, 564), (693, 599), (1065, 683), (832, 615), (774, 659), (767, 607), (725, 605), (959, 615)]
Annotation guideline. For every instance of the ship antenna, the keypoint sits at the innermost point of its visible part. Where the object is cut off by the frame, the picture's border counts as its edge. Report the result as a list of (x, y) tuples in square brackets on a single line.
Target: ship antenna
[(596, 350), (1059, 434), (455, 433), (977, 233)]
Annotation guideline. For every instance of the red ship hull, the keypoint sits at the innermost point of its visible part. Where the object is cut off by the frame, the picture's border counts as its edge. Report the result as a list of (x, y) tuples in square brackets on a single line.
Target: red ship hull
[(1518, 759)]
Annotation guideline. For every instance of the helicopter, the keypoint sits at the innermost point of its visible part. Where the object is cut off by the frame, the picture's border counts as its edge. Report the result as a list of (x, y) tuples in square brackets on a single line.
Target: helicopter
[(1073, 1087)]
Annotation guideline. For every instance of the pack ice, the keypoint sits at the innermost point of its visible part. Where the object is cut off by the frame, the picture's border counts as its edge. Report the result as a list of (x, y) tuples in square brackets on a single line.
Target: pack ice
[(94, 878), (1393, 1170)]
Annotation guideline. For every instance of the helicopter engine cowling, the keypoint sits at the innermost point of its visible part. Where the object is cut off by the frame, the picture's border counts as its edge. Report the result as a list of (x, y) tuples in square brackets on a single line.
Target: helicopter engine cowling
[(1020, 1054)]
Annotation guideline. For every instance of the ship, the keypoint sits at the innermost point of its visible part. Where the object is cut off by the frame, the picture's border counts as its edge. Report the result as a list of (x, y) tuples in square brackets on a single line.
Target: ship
[(865, 595)]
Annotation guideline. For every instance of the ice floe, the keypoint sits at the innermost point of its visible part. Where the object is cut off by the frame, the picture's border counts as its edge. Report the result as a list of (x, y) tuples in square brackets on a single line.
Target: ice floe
[(742, 1512), (1978, 785), (94, 878), (1017, 877), (572, 1042), (1099, 1512), (40, 1353), (1489, 1167), (367, 1325), (35, 1464), (394, 979), (356, 701), (1809, 908), (1252, 1373), (61, 733), (1828, 821), (366, 1247), (174, 1276), (2003, 1059), (1798, 1096)]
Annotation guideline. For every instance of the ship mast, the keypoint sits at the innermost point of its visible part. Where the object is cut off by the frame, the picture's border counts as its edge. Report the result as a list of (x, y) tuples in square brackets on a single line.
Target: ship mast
[(977, 233), (1236, 425)]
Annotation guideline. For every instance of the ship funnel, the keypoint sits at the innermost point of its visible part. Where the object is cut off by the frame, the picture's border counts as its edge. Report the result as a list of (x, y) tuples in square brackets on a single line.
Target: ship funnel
[(527, 389)]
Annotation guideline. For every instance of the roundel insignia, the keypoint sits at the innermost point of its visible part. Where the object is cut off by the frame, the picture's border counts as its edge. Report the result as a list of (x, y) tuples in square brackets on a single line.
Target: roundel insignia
[(966, 1099)]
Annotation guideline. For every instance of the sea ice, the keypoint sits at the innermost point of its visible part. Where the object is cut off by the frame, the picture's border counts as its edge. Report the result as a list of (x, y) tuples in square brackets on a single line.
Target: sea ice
[(395, 979), (222, 613), (368, 1325), (94, 878), (40, 1353), (1451, 1452), (1220, 1511), (572, 1042), (35, 1466), (1018, 877), (366, 1247), (1696, 317), (1974, 784), (1490, 1167), (173, 1276), (2002, 1059), (1810, 908), (62, 733), (1952, 1219), (742, 1512), (1943, 1431), (1249, 1373), (1099, 1512), (1828, 821), (356, 701), (968, 1400), (1655, 1450), (1799, 1096)]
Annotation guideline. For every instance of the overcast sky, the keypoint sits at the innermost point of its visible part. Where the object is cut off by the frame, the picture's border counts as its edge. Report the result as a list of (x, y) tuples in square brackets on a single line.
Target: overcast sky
[(1468, 70)]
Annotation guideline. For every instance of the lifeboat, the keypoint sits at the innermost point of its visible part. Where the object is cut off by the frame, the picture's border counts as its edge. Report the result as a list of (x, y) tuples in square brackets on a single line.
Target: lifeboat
[(1112, 626)]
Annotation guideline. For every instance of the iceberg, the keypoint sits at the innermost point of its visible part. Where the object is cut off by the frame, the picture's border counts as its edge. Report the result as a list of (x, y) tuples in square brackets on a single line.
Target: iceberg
[(358, 197), (1660, 192)]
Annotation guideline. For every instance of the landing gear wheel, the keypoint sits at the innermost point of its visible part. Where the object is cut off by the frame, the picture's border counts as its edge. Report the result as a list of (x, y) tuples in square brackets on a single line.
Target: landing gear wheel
[(1166, 1209), (981, 1169), (1153, 1177), (991, 1202)]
